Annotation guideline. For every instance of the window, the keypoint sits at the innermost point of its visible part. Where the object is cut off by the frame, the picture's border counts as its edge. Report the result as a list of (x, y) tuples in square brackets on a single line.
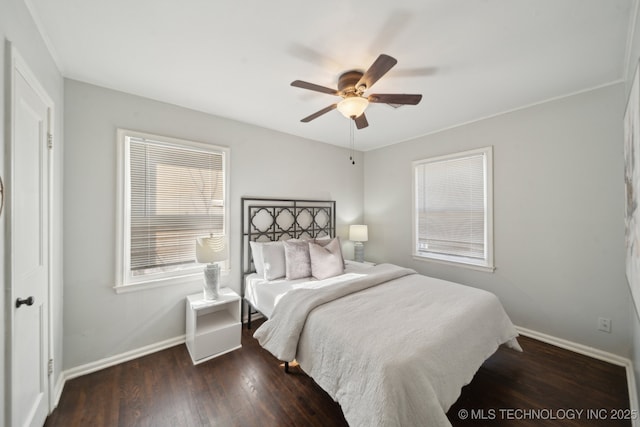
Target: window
[(453, 220), (171, 191)]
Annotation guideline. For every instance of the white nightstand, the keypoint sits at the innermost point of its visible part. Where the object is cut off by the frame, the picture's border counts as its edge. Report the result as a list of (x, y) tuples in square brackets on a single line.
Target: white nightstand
[(213, 327)]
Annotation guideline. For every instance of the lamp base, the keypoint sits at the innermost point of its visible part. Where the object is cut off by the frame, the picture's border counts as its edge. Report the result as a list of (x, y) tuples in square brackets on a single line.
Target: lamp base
[(358, 252), (211, 284)]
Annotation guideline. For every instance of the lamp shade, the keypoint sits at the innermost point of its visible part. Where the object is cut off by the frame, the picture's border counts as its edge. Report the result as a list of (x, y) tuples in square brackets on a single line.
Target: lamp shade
[(353, 106), (211, 249), (358, 233)]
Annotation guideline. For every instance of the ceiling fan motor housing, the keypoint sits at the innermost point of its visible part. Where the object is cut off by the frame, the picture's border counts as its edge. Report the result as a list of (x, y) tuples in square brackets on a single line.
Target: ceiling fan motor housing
[(347, 83)]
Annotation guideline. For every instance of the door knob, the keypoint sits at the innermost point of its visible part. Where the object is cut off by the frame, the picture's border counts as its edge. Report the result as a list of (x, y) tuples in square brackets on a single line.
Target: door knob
[(27, 301)]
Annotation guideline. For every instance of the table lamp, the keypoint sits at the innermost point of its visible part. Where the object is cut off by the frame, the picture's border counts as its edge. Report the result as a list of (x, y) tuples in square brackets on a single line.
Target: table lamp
[(358, 234), (210, 250)]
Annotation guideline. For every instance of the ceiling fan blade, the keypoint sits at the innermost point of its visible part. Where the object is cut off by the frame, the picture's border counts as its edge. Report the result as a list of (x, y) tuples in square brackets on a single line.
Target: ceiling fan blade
[(319, 113), (361, 121), (395, 98), (311, 86), (379, 68)]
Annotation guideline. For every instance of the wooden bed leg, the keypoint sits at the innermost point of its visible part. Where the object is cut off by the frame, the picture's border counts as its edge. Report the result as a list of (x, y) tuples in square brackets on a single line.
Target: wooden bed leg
[(286, 367)]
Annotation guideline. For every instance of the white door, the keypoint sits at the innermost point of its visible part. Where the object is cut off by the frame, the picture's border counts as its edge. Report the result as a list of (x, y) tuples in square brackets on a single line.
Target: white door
[(29, 219)]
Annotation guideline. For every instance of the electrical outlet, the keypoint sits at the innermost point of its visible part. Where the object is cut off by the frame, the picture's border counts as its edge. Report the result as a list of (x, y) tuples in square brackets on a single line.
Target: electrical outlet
[(604, 324)]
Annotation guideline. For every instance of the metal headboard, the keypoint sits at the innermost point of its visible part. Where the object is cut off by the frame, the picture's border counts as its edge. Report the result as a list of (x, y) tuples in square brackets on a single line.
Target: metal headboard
[(267, 219)]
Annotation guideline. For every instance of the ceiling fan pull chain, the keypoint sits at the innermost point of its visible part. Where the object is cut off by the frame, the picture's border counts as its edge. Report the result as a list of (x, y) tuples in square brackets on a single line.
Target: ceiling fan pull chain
[(352, 144), (350, 138)]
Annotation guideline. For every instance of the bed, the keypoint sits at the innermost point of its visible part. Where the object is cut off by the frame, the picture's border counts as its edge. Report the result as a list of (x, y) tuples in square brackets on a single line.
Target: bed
[(392, 347)]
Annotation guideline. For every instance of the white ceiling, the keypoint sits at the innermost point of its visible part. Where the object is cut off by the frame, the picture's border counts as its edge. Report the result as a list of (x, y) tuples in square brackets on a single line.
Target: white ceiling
[(469, 58)]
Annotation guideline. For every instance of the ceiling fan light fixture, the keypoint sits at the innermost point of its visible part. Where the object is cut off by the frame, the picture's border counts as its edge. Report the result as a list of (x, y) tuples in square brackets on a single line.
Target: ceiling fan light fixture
[(353, 106)]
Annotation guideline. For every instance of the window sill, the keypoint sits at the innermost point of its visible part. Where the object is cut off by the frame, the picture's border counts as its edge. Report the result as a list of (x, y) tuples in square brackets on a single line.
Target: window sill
[(486, 269), (187, 279)]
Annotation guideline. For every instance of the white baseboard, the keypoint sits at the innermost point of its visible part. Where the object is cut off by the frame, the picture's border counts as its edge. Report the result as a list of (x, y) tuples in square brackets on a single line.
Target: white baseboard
[(575, 347), (112, 361), (254, 316), (596, 354), (57, 392)]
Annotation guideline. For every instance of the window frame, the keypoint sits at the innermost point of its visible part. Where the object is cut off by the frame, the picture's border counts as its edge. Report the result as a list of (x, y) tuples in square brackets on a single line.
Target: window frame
[(125, 282), (486, 264)]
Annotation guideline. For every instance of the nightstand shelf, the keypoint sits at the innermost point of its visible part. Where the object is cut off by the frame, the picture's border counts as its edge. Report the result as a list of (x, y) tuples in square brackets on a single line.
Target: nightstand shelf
[(213, 327)]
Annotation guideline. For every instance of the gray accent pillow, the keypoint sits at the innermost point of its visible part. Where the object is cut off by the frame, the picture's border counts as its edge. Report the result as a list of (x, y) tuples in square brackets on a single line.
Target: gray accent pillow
[(298, 263), (322, 241), (326, 261)]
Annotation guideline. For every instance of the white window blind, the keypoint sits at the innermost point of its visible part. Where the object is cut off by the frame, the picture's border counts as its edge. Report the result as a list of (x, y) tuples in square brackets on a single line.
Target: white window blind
[(452, 208), (174, 193)]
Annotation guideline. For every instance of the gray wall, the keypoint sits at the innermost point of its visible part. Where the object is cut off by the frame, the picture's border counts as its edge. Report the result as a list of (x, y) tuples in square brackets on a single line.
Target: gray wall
[(633, 62), (17, 26), (558, 214), (99, 323)]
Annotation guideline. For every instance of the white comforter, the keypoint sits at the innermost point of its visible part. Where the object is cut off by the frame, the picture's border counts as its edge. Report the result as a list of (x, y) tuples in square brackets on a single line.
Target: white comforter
[(394, 348)]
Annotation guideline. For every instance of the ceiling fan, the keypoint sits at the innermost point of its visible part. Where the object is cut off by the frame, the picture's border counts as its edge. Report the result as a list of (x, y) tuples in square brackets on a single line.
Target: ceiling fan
[(351, 87)]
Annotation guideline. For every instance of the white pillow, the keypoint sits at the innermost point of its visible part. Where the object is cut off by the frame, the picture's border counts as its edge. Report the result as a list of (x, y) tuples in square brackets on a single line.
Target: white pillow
[(326, 261), (268, 258)]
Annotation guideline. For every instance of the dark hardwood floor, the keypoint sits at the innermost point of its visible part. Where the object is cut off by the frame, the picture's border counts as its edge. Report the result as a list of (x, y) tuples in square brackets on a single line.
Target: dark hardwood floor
[(544, 386)]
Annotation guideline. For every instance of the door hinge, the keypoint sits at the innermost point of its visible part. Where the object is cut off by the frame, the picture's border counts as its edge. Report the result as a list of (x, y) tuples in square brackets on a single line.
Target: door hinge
[(50, 367), (50, 141)]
